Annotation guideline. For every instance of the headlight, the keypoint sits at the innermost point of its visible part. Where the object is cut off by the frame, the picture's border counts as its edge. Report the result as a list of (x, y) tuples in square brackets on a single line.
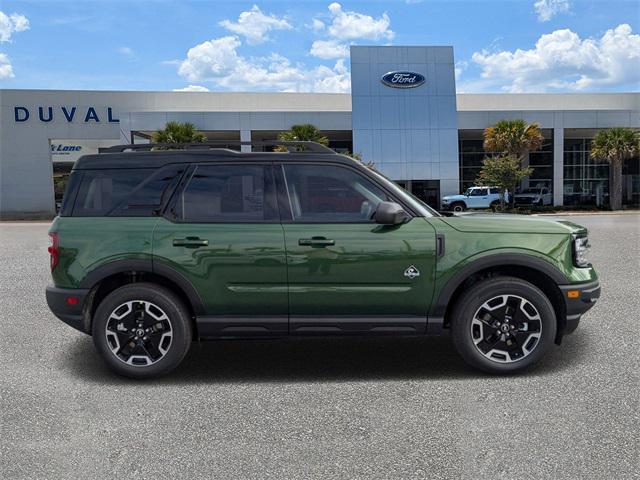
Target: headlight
[(444, 200), (580, 248)]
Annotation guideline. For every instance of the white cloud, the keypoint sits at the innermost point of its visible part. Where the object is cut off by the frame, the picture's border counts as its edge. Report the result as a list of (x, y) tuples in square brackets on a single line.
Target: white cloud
[(218, 61), (254, 25), (347, 25), (6, 69), (329, 49), (317, 25), (210, 59), (127, 51), (192, 88), (562, 60), (10, 24), (547, 9), (460, 67)]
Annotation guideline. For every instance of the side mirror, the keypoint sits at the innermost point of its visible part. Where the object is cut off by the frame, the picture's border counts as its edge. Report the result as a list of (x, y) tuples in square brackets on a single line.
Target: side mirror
[(390, 213)]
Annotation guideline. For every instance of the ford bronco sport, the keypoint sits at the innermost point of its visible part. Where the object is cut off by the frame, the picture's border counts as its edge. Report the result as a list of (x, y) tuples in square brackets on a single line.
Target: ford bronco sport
[(154, 248)]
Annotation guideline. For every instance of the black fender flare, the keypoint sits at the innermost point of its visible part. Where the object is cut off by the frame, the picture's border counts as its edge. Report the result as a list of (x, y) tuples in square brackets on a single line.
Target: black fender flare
[(145, 266), (440, 305)]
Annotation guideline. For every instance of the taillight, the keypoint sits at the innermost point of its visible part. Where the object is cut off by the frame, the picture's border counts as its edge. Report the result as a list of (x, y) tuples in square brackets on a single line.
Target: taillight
[(53, 249)]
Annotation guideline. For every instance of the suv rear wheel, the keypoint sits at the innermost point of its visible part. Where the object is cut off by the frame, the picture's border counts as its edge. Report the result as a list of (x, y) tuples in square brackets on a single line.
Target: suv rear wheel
[(142, 330), (503, 325)]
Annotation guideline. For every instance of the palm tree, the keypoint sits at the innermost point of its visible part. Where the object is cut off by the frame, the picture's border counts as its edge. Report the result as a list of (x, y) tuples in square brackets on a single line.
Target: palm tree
[(176, 132), (513, 139), (615, 145), (304, 132)]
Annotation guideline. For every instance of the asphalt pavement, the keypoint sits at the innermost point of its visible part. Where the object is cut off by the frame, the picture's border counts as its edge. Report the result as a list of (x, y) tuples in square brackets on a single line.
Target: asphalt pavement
[(321, 408)]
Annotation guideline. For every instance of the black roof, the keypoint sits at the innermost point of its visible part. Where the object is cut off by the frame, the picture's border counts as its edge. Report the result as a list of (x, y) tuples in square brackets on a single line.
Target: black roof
[(159, 158)]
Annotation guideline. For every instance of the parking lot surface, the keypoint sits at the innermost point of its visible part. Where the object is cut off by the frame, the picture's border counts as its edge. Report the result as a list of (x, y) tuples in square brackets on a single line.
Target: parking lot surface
[(321, 408)]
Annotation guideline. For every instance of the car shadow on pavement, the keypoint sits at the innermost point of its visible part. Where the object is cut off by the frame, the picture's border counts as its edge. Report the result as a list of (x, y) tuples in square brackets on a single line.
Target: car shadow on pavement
[(312, 360)]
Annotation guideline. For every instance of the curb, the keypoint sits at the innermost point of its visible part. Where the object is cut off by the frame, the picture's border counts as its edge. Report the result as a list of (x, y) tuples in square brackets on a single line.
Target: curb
[(560, 214)]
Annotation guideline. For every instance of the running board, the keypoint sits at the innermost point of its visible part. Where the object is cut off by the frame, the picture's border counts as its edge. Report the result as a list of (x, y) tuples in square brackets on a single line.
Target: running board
[(237, 326)]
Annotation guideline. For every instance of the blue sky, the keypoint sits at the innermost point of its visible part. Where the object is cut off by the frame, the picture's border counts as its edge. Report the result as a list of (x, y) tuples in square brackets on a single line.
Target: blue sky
[(500, 46)]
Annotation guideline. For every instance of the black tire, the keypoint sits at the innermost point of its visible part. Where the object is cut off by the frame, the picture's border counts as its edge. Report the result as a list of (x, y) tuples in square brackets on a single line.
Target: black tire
[(467, 329), (174, 324), (458, 207)]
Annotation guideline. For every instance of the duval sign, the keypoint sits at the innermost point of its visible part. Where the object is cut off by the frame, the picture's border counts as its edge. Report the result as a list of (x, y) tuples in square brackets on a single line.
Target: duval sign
[(402, 79), (69, 114)]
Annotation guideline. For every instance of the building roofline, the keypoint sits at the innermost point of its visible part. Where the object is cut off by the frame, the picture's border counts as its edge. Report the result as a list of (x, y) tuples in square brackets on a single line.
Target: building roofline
[(547, 101), (341, 102)]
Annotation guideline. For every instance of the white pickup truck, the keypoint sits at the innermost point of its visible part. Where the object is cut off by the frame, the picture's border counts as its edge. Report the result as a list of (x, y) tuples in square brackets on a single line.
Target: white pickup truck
[(474, 197), (534, 196)]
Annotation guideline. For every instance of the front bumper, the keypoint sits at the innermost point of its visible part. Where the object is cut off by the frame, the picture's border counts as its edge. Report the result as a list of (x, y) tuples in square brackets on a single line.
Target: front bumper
[(69, 313), (579, 298)]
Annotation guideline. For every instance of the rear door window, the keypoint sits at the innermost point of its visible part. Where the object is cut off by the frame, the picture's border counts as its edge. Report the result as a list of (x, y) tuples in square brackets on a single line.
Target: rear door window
[(227, 193)]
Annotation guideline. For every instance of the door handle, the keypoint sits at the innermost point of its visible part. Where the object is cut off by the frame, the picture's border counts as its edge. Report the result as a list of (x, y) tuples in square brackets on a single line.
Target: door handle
[(190, 242), (316, 242)]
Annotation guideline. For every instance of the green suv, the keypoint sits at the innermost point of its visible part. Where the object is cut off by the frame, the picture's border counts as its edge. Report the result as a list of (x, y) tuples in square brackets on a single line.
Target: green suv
[(155, 248)]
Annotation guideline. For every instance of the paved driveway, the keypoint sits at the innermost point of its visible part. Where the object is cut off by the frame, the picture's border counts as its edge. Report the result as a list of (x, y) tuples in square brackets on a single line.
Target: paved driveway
[(356, 408)]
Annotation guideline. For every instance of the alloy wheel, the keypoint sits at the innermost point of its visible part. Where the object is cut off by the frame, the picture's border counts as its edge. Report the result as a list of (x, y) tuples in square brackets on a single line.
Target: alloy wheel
[(506, 328), (139, 333)]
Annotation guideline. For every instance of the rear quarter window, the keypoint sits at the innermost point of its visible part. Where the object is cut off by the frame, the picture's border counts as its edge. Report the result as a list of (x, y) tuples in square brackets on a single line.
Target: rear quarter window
[(123, 193)]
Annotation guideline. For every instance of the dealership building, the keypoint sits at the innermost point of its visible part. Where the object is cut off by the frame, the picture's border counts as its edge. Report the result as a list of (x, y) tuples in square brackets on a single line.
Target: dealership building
[(412, 125)]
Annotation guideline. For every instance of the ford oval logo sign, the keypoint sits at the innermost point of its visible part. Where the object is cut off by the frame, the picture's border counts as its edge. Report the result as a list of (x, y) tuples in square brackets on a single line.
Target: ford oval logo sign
[(402, 79)]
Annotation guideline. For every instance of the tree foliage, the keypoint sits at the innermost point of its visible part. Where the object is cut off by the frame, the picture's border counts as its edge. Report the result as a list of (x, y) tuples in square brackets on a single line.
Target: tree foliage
[(358, 157), (176, 132), (513, 138), (510, 141), (302, 133), (504, 172), (615, 145)]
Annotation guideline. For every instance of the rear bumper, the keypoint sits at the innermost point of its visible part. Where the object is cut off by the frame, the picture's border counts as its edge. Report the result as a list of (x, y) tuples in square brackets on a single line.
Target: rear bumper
[(71, 314)]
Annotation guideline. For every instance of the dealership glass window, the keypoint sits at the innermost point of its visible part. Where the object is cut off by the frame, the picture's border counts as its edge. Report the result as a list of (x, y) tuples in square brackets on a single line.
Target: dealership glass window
[(472, 154), (542, 163), (631, 182), (586, 181), (61, 172)]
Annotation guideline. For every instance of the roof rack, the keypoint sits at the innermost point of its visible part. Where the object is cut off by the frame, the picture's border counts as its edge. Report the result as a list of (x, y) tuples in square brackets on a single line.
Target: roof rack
[(292, 146)]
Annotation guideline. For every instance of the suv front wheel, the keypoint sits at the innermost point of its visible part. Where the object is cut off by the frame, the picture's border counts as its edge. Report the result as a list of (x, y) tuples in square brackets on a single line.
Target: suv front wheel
[(458, 207), (503, 325), (142, 330)]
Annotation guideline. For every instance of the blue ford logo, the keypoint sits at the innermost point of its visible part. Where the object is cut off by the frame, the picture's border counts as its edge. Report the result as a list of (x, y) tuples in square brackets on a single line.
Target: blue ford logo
[(402, 79)]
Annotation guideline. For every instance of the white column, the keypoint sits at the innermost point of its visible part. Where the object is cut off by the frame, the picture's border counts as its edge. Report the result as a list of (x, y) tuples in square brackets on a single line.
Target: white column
[(245, 136), (558, 166)]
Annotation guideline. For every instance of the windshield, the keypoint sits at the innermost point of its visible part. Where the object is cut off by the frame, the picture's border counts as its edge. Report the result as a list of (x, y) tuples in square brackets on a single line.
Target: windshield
[(418, 205)]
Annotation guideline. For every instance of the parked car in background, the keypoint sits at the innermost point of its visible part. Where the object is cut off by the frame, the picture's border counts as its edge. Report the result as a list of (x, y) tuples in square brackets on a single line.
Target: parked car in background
[(474, 197), (534, 196)]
